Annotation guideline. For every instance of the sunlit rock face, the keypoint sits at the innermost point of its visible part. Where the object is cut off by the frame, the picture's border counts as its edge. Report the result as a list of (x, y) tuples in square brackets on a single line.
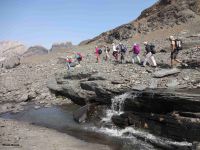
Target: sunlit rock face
[(11, 48)]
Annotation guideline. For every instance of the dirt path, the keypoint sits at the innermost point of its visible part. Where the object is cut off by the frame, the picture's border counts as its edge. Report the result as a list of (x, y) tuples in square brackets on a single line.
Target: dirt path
[(23, 136)]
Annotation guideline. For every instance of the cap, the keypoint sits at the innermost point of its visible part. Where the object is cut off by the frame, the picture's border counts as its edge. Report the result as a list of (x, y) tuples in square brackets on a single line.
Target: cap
[(171, 37), (145, 43)]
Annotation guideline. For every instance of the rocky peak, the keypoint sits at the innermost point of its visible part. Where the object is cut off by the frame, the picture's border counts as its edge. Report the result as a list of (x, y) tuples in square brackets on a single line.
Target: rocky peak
[(61, 46)]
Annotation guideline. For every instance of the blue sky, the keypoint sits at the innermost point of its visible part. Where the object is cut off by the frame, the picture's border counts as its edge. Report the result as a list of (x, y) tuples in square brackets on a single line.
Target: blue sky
[(43, 22)]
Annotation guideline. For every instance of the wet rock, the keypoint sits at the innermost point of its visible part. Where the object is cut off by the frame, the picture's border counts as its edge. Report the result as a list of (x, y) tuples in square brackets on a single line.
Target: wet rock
[(81, 114), (166, 72), (196, 146), (121, 121), (175, 127)]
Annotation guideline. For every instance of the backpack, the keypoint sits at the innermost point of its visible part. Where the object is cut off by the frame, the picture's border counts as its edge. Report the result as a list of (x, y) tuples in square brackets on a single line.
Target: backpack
[(123, 48), (136, 49), (69, 60), (178, 44), (152, 47), (99, 51), (79, 56)]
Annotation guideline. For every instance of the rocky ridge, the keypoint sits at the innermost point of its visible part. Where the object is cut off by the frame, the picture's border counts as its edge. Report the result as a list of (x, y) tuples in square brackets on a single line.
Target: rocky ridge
[(61, 46)]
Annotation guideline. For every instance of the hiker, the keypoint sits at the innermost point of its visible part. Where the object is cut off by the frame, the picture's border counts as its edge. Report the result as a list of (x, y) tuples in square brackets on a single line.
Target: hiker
[(107, 53), (122, 50), (150, 50), (176, 45), (68, 61), (78, 57), (98, 52), (115, 52), (136, 50)]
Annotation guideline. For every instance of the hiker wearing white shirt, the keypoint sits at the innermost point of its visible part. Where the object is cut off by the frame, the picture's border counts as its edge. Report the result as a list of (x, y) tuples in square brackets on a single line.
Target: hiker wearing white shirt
[(115, 51), (150, 50)]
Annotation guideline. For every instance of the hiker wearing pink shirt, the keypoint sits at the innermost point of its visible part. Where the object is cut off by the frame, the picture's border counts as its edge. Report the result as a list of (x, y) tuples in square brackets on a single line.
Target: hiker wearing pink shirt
[(136, 51), (98, 53)]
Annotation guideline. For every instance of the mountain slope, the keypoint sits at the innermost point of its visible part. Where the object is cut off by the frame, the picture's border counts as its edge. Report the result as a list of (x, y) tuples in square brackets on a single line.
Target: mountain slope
[(162, 15)]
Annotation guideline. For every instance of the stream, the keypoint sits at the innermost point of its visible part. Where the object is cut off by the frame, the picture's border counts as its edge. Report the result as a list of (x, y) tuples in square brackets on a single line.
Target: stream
[(61, 119)]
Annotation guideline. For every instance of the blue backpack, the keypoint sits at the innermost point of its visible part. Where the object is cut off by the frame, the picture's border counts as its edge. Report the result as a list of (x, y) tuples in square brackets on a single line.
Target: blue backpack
[(123, 48)]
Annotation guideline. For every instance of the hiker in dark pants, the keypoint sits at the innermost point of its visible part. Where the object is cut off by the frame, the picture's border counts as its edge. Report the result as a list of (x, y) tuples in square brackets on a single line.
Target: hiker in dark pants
[(122, 50)]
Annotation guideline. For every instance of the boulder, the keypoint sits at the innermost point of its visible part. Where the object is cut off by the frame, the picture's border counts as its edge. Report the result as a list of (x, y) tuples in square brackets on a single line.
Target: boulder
[(166, 72), (11, 62), (76, 94)]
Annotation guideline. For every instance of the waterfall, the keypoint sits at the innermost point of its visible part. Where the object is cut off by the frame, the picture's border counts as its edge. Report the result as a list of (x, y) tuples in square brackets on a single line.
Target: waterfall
[(117, 107)]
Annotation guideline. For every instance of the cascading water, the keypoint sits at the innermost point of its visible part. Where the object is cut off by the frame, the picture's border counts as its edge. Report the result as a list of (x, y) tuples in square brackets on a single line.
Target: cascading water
[(117, 108)]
